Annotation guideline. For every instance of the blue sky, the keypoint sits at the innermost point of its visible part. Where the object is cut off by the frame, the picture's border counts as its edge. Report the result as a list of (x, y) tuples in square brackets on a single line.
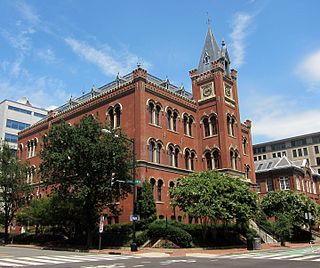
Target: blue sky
[(50, 50)]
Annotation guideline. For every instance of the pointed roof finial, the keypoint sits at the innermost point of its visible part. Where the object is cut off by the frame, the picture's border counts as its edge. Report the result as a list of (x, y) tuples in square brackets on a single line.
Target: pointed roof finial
[(138, 64), (209, 19)]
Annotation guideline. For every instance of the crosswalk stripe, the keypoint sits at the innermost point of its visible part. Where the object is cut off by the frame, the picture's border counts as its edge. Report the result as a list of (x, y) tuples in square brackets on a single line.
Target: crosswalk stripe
[(9, 264), (41, 260), (21, 262), (285, 257), (304, 258), (262, 256), (57, 258), (316, 259)]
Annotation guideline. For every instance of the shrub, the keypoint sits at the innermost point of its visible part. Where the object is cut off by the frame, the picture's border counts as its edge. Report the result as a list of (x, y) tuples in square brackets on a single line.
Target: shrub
[(168, 230), (141, 238)]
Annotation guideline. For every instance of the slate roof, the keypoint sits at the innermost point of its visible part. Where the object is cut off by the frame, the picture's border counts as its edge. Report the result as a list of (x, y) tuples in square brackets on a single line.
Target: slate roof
[(281, 163)]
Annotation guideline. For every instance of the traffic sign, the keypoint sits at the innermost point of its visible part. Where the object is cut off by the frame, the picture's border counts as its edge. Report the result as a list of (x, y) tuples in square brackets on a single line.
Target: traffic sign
[(134, 182), (101, 224), (134, 217)]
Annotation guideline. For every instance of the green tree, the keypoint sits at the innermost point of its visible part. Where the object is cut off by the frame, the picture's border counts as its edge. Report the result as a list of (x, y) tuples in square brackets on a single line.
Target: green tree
[(13, 186), (293, 204), (212, 196), (86, 166), (145, 202)]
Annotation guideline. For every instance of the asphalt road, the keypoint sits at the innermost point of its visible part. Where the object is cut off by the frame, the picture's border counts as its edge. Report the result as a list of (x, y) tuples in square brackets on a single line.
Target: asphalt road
[(24, 257)]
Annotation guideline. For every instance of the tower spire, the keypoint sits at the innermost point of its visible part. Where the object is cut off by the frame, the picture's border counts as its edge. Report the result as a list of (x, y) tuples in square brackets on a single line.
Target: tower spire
[(210, 51)]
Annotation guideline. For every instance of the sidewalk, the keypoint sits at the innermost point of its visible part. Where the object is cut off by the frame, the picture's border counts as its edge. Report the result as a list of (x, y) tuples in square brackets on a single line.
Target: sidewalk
[(165, 252)]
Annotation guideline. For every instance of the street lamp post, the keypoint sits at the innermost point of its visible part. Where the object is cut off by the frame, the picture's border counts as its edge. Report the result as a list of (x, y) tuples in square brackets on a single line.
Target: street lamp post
[(133, 245)]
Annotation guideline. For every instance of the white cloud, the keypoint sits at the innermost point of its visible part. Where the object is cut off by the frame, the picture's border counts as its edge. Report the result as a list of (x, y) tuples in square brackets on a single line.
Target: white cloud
[(309, 70), (42, 91), (240, 25), (28, 12), (47, 55), (106, 59), (276, 117)]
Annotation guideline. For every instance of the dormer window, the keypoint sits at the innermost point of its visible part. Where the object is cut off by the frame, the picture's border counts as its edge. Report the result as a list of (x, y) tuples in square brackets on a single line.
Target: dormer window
[(206, 58)]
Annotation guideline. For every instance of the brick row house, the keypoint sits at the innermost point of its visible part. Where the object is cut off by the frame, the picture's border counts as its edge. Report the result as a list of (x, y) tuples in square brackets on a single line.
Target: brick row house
[(282, 174), (175, 132)]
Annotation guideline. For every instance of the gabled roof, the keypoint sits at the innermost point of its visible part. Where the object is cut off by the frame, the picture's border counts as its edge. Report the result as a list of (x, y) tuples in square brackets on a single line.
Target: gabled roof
[(274, 163), (210, 52)]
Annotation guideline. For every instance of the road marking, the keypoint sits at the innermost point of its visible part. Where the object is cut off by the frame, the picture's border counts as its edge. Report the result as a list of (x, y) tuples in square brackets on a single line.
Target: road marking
[(304, 258), (9, 264), (285, 257), (22, 262), (58, 258), (44, 261)]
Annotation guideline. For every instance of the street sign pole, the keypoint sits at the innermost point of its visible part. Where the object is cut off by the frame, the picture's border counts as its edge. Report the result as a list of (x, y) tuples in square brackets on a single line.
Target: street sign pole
[(101, 230)]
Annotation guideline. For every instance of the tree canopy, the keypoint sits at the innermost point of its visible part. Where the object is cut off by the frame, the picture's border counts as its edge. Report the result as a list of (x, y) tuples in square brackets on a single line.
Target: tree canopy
[(145, 202), (292, 204), (85, 165), (212, 196), (13, 185)]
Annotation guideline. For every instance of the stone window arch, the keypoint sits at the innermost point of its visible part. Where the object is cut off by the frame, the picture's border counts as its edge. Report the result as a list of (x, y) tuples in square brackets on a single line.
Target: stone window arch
[(172, 117), (234, 154), (210, 125), (155, 148), (246, 171), (189, 157), (21, 151), (153, 183), (154, 112), (213, 159), (231, 121), (244, 145), (208, 160), (171, 155), (216, 159), (114, 114), (187, 124), (159, 190)]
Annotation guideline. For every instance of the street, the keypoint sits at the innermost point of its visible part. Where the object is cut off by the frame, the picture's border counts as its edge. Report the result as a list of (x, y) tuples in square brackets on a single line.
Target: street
[(27, 257)]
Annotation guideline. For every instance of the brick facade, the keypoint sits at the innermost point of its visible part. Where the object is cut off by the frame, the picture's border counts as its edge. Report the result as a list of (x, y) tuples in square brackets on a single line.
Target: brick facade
[(175, 133)]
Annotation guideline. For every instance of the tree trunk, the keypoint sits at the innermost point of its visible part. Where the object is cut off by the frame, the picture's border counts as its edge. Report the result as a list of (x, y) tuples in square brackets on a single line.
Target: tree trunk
[(89, 236), (6, 231)]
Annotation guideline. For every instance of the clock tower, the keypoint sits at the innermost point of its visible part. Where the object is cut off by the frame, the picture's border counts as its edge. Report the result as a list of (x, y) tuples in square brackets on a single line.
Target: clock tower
[(225, 141)]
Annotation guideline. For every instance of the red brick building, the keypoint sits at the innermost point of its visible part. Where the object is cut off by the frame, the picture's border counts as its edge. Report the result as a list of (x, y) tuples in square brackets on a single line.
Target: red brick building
[(282, 174), (175, 132)]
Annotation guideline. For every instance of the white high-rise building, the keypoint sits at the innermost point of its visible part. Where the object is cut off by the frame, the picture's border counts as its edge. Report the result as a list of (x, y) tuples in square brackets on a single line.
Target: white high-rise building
[(16, 116)]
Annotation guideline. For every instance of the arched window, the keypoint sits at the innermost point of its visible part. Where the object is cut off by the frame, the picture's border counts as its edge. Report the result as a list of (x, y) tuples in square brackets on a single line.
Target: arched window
[(213, 124), (158, 153), (155, 151), (20, 151), (231, 125), (192, 160), (111, 117), (244, 145), (246, 171), (153, 183), (34, 147), (190, 126), (208, 160), (234, 159), (157, 115), (231, 159), (117, 114), (176, 157), (206, 127), (185, 124), (151, 113), (170, 154), (174, 125), (159, 190), (169, 119), (187, 157), (171, 184), (216, 159), (151, 151)]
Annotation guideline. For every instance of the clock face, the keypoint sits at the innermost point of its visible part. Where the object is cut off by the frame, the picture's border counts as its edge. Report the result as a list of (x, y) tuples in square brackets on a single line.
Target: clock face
[(228, 91), (207, 90)]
